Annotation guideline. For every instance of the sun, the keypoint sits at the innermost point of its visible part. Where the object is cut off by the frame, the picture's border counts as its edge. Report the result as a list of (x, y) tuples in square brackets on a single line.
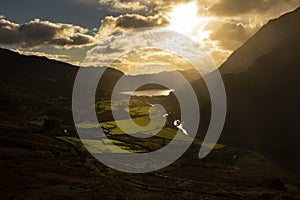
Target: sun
[(184, 19)]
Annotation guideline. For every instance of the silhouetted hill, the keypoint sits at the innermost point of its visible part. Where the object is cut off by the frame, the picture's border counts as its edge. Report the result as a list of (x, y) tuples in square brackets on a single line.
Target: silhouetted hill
[(263, 102), (263, 95), (36, 73), (50, 77), (33, 86), (263, 42)]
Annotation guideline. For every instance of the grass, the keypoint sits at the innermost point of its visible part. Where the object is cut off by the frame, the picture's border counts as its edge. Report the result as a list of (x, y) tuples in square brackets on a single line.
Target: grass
[(107, 105), (139, 113), (87, 125), (97, 146), (141, 121), (37, 122), (139, 110)]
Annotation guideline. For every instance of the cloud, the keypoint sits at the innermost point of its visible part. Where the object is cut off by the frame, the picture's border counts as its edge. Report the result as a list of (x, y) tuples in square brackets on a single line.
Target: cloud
[(126, 6), (229, 35), (137, 21), (145, 7), (111, 25), (38, 33), (240, 7), (130, 50)]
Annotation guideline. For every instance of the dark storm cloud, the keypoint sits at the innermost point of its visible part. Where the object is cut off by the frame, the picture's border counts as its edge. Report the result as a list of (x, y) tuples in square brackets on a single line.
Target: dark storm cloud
[(240, 7), (38, 33)]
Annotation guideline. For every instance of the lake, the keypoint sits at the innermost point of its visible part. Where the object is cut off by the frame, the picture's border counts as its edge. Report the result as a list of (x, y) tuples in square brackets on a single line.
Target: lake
[(148, 93)]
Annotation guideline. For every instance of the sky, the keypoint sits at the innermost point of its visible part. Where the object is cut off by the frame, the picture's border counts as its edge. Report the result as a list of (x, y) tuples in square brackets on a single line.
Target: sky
[(71, 30)]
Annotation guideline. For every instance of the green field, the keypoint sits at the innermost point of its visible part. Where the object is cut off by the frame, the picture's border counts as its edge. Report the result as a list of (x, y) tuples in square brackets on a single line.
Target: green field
[(121, 140), (97, 146)]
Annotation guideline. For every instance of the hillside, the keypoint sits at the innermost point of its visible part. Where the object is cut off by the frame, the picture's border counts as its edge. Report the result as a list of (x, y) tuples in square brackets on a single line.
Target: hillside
[(34, 88), (263, 102)]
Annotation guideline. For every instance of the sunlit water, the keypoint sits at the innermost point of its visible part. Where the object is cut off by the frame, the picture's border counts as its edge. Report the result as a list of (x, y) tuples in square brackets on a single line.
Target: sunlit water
[(148, 93)]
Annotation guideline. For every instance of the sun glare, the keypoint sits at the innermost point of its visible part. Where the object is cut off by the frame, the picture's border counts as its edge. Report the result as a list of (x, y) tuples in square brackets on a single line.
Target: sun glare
[(184, 19)]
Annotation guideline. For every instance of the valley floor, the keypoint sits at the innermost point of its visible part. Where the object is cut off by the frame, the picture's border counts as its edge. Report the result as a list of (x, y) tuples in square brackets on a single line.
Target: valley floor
[(34, 166)]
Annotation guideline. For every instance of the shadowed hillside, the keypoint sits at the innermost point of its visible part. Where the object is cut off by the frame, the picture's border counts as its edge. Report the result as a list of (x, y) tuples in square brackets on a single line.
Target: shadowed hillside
[(264, 104), (263, 101), (34, 88)]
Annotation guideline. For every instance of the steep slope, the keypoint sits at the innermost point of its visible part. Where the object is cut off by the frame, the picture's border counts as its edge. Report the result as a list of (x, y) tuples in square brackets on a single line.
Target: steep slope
[(267, 38), (263, 102)]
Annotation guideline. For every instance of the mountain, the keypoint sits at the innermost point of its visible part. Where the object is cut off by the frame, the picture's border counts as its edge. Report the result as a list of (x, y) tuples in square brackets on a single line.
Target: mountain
[(263, 101), (263, 42), (33, 88), (42, 75)]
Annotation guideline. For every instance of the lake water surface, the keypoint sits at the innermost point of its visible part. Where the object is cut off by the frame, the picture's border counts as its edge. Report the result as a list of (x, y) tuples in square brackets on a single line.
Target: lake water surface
[(149, 93)]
